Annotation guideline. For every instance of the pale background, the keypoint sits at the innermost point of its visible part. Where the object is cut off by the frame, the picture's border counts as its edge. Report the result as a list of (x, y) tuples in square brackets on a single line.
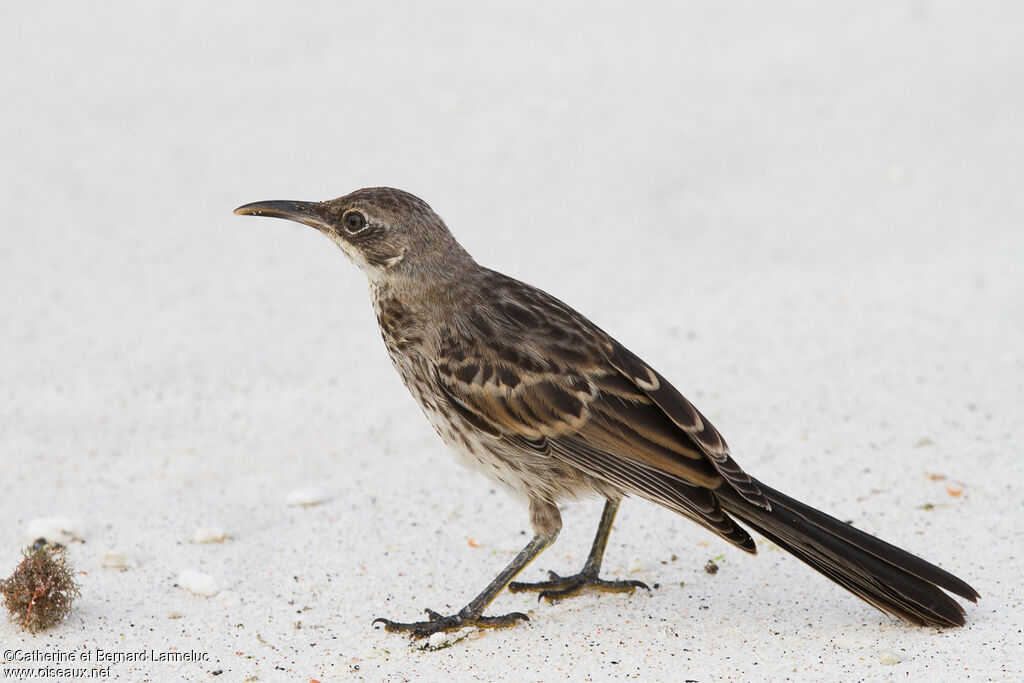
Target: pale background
[(808, 216)]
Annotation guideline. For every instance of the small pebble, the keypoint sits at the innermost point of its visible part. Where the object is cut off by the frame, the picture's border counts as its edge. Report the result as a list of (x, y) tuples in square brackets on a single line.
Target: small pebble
[(307, 496), (229, 598), (115, 559), (199, 583), (61, 530), (955, 488), (888, 657), (208, 534)]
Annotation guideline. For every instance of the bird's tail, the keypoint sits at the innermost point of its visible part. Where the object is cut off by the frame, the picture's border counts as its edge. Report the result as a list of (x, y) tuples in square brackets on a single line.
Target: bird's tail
[(885, 576)]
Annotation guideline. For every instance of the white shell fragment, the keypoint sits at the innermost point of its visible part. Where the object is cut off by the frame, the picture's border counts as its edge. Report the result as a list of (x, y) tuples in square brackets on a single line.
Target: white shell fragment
[(61, 530), (114, 559), (889, 657), (442, 640), (310, 495), (199, 583), (204, 534)]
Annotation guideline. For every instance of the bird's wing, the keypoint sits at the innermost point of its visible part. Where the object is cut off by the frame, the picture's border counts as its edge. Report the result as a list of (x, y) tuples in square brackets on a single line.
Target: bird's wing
[(558, 392)]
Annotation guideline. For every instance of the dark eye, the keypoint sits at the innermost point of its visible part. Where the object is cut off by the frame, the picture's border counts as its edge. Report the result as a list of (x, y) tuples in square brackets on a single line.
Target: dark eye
[(354, 221)]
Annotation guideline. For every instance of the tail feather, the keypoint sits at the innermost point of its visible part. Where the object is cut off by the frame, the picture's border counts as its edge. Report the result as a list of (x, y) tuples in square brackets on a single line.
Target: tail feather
[(883, 575)]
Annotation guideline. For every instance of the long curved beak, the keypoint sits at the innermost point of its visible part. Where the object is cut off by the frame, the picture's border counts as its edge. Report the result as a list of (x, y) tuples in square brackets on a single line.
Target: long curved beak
[(300, 212)]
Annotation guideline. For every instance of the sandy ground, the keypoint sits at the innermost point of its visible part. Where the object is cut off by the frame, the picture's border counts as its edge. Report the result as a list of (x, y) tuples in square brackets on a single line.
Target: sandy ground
[(809, 219)]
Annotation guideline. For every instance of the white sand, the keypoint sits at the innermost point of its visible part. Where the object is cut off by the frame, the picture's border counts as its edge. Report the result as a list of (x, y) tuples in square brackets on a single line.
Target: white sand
[(811, 220)]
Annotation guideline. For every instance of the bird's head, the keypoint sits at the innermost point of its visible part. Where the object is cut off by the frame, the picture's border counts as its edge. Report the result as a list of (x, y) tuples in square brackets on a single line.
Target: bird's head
[(390, 234)]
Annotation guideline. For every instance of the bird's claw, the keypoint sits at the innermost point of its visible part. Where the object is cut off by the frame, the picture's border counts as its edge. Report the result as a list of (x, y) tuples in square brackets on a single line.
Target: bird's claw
[(560, 587), (437, 623)]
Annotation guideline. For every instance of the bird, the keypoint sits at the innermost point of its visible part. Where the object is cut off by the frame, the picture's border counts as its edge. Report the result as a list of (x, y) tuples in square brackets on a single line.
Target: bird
[(544, 403)]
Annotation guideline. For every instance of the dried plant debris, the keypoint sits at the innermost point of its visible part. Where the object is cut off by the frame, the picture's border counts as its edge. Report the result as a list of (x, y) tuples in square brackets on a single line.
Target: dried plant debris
[(712, 565), (42, 588)]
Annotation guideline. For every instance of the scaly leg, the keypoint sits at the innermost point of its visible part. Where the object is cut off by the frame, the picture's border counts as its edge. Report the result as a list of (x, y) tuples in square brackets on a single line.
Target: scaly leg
[(472, 614), (559, 587)]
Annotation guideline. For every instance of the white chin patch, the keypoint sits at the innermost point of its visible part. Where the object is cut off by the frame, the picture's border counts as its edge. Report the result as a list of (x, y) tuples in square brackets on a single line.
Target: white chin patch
[(350, 252)]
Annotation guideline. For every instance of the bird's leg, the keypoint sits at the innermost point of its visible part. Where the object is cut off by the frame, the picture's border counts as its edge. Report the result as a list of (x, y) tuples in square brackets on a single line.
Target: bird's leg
[(472, 614), (559, 587)]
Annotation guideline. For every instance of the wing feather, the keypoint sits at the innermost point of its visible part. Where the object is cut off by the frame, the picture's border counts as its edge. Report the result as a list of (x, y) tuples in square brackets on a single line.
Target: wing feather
[(686, 416), (599, 426)]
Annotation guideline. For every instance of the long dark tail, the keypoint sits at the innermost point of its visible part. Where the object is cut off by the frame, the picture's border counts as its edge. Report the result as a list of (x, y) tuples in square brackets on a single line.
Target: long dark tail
[(889, 578)]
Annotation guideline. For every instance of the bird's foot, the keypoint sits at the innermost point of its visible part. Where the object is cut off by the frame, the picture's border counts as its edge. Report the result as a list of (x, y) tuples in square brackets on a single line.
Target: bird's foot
[(561, 587), (438, 622)]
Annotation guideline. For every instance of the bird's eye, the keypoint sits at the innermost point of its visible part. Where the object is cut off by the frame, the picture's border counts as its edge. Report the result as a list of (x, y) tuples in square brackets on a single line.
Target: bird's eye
[(354, 221)]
